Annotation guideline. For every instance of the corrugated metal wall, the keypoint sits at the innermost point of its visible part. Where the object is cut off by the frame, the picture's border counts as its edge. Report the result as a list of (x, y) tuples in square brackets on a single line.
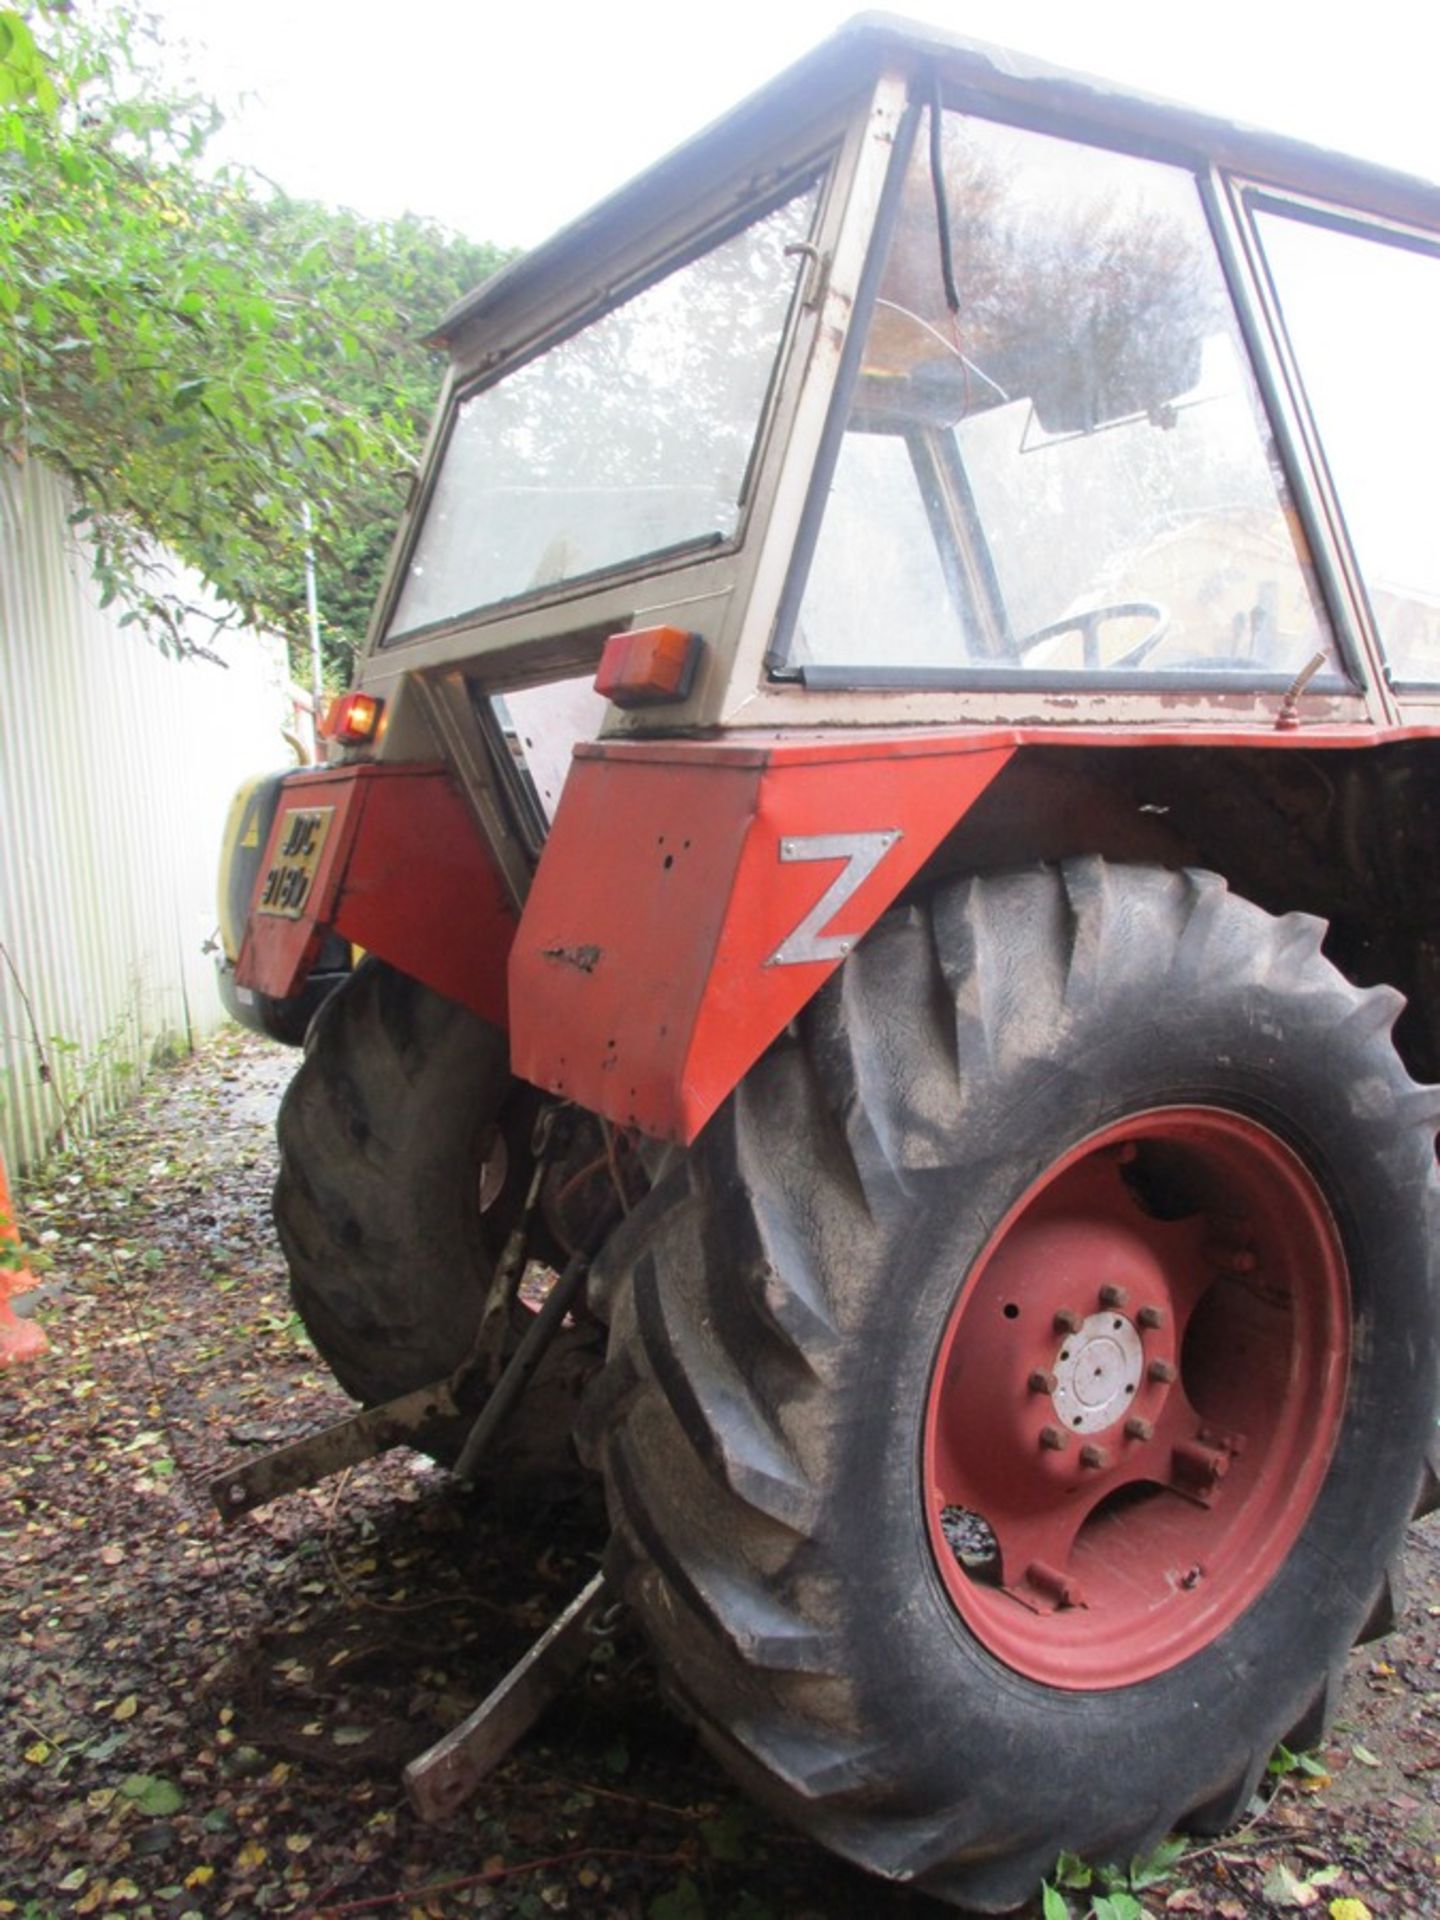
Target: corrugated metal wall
[(116, 767)]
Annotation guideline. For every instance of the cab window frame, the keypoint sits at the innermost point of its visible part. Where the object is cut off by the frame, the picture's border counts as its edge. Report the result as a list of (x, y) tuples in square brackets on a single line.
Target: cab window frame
[(1348, 676), (1351, 587), (813, 174)]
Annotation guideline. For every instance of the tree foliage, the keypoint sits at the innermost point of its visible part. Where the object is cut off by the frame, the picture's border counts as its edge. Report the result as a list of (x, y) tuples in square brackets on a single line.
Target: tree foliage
[(202, 356)]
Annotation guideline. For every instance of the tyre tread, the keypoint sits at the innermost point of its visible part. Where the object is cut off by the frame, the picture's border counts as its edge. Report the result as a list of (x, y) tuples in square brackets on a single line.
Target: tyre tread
[(374, 1199)]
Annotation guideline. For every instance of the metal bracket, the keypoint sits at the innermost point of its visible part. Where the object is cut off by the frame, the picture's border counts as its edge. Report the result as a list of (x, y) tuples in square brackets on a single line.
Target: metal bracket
[(442, 1778), (506, 1393), (399, 1423), (402, 1422)]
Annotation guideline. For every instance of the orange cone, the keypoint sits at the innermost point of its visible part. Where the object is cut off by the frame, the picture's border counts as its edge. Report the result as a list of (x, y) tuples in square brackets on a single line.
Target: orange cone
[(19, 1339)]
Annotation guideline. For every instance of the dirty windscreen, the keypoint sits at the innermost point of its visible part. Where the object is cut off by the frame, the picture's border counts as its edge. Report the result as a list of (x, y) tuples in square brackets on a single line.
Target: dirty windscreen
[(1059, 463), (628, 439)]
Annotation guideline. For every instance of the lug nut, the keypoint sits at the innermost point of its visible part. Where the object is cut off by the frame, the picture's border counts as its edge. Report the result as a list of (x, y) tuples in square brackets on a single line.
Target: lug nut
[(1162, 1372), (1041, 1382), (1094, 1457), (1202, 1466), (1138, 1429), (1152, 1317), (1114, 1296), (1054, 1439), (1067, 1320)]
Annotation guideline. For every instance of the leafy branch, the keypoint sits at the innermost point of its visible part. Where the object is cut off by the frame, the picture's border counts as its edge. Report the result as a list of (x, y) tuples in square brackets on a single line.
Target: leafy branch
[(201, 356)]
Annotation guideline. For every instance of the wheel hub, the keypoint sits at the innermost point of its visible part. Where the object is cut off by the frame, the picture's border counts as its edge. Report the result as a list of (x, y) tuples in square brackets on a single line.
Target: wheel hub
[(1097, 1371), (1108, 1485)]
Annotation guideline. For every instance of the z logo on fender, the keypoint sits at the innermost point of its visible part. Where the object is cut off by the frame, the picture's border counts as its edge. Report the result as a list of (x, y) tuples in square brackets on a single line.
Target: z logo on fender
[(862, 853)]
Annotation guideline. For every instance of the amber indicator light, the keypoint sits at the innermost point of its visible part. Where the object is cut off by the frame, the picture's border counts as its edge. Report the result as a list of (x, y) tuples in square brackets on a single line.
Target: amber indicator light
[(352, 719), (649, 667)]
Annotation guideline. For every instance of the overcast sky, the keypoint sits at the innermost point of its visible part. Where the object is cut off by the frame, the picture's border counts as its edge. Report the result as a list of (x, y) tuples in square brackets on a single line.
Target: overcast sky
[(504, 121)]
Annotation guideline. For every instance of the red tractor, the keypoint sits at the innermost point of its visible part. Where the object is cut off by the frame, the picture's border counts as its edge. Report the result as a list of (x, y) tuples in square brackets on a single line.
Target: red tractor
[(892, 804)]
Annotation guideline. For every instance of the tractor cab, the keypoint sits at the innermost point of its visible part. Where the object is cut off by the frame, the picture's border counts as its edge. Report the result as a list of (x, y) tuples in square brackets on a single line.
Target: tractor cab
[(930, 386)]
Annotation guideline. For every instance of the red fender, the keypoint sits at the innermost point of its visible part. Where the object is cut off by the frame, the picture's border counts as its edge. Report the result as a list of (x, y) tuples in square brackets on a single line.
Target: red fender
[(391, 858), (694, 896)]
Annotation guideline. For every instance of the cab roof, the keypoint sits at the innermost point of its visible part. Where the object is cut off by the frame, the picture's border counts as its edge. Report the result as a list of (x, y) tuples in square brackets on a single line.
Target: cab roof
[(973, 74)]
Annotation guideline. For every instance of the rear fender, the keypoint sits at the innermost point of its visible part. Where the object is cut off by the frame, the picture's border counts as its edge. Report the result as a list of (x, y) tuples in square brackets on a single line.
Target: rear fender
[(391, 858), (694, 896)]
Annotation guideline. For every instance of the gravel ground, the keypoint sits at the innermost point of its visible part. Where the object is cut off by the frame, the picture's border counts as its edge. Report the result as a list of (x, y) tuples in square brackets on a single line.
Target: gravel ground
[(201, 1722)]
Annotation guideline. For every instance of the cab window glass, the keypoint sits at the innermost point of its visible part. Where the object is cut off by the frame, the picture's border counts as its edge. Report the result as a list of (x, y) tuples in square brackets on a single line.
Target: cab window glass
[(628, 439), (1072, 473), (1363, 316)]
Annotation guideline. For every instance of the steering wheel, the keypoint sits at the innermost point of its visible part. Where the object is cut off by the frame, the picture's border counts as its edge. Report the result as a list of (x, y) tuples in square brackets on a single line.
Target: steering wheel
[(1089, 622)]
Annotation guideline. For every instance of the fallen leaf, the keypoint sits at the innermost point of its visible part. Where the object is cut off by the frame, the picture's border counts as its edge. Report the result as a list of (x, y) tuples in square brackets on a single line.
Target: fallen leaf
[(152, 1795), (38, 1752), (111, 1556), (252, 1854), (350, 1736), (127, 1708), (1365, 1756), (199, 1876), (74, 1880), (1284, 1889), (1185, 1900), (1348, 1908)]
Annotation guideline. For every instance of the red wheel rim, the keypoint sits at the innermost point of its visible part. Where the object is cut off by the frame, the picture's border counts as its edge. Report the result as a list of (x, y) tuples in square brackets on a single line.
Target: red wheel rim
[(1137, 1398)]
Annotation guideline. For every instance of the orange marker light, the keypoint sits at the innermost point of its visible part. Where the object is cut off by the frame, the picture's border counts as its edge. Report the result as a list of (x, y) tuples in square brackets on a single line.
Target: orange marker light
[(352, 719), (650, 667)]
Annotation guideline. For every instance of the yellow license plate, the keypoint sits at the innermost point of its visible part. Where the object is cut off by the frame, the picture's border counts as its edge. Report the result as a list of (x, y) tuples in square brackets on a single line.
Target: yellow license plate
[(286, 886)]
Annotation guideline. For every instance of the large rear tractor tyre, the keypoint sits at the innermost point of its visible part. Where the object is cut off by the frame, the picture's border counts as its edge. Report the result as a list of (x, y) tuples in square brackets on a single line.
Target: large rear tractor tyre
[(382, 1137), (1015, 1406)]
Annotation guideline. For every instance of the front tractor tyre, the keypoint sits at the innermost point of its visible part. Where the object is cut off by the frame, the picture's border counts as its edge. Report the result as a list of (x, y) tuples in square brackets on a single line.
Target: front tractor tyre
[(404, 1156), (383, 1135), (1015, 1407)]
